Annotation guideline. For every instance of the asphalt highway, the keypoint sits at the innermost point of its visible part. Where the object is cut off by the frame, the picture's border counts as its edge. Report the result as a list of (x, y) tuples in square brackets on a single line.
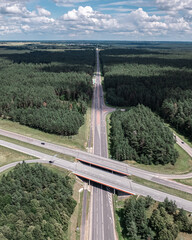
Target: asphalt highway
[(102, 211), (103, 177), (107, 163)]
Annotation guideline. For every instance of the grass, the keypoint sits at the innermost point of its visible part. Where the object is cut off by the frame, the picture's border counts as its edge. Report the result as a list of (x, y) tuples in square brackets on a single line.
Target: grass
[(185, 181), (77, 141), (162, 188), (8, 156), (182, 165), (79, 214), (117, 205), (184, 236), (185, 139), (108, 132), (39, 149)]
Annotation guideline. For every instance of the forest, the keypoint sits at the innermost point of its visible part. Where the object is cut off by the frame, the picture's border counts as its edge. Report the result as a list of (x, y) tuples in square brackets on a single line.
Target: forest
[(159, 78), (138, 134), (35, 203), (143, 218), (47, 90)]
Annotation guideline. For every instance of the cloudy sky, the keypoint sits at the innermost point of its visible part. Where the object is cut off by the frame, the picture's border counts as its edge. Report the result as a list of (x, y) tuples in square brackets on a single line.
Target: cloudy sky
[(96, 20)]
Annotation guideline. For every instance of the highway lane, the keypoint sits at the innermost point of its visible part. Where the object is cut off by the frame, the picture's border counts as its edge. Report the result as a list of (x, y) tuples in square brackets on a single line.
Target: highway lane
[(102, 213), (83, 217), (118, 182), (184, 145), (105, 162)]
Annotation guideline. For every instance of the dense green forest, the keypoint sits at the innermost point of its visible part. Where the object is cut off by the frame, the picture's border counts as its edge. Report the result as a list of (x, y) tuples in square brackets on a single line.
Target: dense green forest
[(143, 218), (35, 203), (158, 78), (47, 90), (137, 134)]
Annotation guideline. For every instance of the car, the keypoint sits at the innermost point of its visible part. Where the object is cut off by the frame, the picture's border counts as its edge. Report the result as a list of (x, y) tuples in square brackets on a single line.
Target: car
[(182, 142), (42, 143), (51, 161)]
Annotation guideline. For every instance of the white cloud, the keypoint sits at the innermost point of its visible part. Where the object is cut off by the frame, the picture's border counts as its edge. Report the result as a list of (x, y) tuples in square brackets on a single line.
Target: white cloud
[(68, 3), (142, 24), (16, 18), (174, 5), (85, 22), (88, 19), (43, 12)]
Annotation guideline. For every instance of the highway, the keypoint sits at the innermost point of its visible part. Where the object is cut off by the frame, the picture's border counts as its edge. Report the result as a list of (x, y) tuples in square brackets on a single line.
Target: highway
[(102, 209), (100, 176), (107, 163)]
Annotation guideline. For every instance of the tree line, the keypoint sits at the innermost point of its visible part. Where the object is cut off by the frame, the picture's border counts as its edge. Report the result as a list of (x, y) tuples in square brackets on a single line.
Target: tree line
[(138, 134), (143, 218), (35, 203), (159, 79), (47, 90)]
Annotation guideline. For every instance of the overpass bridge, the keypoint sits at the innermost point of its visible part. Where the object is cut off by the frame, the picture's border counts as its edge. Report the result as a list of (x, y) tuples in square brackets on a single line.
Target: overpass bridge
[(115, 181)]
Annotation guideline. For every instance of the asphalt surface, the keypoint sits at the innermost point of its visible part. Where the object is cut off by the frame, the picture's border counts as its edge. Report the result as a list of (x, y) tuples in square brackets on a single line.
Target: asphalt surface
[(106, 162), (83, 217), (102, 211), (100, 158), (107, 179)]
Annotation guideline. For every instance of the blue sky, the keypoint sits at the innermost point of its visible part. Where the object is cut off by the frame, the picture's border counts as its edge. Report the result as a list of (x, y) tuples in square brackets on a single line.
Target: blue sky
[(151, 20)]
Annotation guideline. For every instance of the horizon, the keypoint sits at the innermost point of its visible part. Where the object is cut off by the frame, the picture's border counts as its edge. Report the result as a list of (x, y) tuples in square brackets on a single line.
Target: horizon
[(109, 20)]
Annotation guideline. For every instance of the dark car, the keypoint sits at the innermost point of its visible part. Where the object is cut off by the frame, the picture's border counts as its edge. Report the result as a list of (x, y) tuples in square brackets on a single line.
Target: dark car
[(43, 143)]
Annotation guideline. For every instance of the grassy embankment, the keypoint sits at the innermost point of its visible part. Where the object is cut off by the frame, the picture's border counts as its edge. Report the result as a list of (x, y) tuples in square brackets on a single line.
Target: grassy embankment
[(8, 156), (77, 141), (162, 188), (182, 165)]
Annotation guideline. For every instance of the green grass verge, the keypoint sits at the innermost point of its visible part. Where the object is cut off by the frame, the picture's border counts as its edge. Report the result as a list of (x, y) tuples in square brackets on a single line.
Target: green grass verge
[(117, 218), (185, 139), (182, 165), (77, 141), (185, 181), (8, 156), (79, 217), (108, 132), (39, 149), (162, 188)]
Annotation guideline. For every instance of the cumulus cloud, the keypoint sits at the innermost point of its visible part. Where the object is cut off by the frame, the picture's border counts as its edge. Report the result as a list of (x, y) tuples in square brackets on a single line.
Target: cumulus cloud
[(174, 5), (87, 18), (140, 23), (140, 20), (43, 12), (16, 18)]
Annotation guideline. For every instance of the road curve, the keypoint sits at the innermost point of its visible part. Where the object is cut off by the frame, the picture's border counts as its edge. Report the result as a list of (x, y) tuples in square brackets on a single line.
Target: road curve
[(105, 178)]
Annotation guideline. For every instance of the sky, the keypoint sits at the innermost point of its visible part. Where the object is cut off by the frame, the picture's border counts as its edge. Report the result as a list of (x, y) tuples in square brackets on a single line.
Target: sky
[(139, 20)]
